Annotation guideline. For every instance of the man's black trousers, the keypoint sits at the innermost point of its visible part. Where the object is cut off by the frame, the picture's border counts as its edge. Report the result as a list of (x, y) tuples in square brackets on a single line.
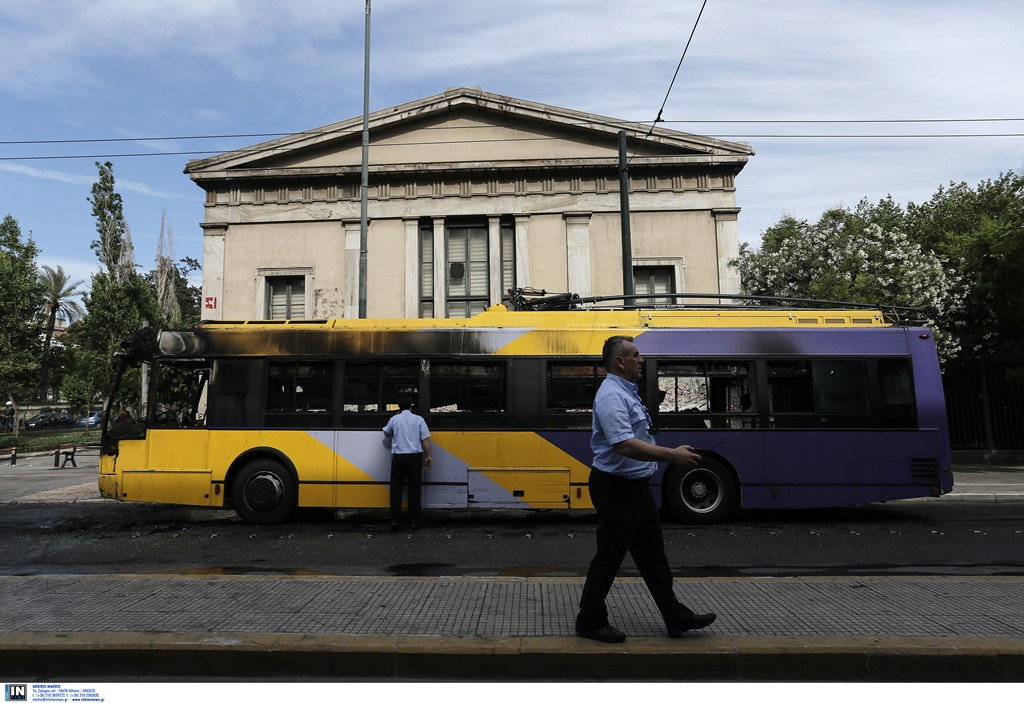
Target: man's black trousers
[(406, 468), (627, 521)]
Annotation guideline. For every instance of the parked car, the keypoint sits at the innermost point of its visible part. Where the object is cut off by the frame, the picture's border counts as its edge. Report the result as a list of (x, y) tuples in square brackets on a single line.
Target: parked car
[(48, 420), (93, 419)]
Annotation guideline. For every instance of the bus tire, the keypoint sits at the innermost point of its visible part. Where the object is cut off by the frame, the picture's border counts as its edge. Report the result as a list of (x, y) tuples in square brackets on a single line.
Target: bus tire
[(264, 493), (702, 495)]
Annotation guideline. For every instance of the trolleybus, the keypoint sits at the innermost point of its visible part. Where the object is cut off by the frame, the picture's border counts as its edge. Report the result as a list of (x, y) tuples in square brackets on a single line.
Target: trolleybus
[(789, 408)]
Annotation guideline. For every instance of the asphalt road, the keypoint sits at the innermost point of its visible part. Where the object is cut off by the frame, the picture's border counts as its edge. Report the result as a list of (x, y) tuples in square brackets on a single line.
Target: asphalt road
[(53, 522)]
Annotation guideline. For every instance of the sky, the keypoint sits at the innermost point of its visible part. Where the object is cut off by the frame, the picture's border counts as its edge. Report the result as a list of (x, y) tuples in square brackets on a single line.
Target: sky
[(806, 83)]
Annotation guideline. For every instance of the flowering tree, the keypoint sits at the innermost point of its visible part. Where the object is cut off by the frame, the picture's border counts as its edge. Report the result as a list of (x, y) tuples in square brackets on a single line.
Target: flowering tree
[(858, 257), (982, 230)]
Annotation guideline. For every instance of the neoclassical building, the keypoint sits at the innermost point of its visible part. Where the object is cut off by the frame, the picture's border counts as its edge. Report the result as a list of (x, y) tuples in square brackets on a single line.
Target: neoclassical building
[(470, 194)]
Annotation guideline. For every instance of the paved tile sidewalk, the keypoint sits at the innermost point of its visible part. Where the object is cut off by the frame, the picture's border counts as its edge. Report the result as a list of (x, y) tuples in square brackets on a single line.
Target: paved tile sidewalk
[(507, 607)]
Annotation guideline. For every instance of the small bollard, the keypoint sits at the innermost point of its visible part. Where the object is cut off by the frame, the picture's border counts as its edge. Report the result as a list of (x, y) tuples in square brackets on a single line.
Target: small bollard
[(56, 458)]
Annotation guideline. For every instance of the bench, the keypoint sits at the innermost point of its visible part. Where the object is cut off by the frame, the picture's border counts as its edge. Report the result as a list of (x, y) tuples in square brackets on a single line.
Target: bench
[(68, 452), (11, 452)]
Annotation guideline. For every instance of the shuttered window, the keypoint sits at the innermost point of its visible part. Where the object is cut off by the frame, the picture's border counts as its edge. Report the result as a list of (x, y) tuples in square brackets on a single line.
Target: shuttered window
[(651, 280), (286, 297), (426, 269), (467, 270), (508, 257)]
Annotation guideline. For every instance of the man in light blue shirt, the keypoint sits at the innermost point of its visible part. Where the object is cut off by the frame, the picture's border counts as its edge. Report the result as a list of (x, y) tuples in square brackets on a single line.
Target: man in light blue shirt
[(410, 452), (625, 458)]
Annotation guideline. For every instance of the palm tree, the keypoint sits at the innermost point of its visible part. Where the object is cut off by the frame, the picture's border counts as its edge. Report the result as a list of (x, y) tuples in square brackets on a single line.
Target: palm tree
[(58, 302)]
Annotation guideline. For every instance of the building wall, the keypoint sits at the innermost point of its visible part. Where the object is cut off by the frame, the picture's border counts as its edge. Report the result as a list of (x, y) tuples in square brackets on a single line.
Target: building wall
[(295, 206)]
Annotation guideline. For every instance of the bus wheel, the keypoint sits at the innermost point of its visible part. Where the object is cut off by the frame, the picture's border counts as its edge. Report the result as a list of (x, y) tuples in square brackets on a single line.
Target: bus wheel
[(704, 494), (264, 493)]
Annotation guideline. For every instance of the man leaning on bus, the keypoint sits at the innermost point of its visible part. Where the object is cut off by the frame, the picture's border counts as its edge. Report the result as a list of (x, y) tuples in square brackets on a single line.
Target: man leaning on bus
[(625, 457), (410, 441)]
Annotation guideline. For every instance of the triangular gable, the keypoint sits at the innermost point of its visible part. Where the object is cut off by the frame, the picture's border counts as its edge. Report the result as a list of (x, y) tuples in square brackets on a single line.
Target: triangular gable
[(465, 127)]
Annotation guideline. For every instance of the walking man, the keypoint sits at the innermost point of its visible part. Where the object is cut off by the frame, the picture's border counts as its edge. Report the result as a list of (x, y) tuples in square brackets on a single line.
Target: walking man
[(625, 457), (410, 452)]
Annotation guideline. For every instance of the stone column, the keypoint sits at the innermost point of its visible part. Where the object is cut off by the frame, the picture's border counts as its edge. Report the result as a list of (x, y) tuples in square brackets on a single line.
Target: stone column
[(412, 267), (577, 242), (493, 260), (522, 250), (727, 235), (440, 270), (212, 304), (352, 231)]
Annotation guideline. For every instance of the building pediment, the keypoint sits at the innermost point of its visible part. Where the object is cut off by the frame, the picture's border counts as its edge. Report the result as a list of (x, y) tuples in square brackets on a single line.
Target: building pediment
[(466, 129)]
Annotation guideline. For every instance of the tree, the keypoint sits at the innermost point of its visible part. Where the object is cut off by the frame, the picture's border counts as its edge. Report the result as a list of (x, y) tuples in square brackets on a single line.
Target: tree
[(20, 326), (163, 275), (113, 243), (981, 230), (59, 301), (849, 256), (119, 302)]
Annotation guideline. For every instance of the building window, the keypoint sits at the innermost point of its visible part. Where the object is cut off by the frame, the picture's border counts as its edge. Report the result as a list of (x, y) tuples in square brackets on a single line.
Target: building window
[(508, 257), (651, 280), (467, 267), (283, 293), (286, 297), (426, 269), (468, 282)]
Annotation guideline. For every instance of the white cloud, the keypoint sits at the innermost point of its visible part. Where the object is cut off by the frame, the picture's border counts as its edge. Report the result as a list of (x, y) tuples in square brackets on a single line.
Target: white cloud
[(177, 67), (77, 179)]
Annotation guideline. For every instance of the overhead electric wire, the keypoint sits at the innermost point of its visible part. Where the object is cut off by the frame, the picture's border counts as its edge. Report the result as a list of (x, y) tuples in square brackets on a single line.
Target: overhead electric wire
[(674, 76), (519, 139), (98, 140), (679, 65)]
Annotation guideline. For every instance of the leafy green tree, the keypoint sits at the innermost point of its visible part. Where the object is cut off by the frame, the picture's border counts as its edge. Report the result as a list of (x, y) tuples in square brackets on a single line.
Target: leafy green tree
[(20, 325), (59, 301), (112, 244), (189, 296), (981, 231), (119, 302), (848, 256)]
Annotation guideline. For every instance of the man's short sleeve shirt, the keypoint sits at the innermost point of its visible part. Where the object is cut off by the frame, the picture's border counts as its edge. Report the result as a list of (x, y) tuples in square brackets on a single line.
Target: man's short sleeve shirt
[(406, 431), (619, 414)]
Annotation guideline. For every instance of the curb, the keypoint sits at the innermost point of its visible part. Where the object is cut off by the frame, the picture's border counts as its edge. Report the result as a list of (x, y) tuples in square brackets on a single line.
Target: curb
[(86, 656)]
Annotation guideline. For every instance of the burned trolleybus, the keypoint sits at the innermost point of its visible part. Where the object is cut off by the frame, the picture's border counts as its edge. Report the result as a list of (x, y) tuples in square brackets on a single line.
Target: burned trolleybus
[(790, 408)]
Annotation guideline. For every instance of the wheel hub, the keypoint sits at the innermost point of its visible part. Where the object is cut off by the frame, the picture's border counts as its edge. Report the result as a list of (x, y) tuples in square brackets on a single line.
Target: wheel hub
[(264, 491)]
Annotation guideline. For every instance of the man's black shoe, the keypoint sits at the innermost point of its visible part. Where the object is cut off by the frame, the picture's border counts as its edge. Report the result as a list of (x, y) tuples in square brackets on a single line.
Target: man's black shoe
[(395, 527), (694, 622), (605, 633)]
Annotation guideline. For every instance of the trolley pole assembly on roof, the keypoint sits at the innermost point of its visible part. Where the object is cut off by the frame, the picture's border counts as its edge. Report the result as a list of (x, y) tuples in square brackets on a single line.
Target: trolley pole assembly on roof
[(365, 181)]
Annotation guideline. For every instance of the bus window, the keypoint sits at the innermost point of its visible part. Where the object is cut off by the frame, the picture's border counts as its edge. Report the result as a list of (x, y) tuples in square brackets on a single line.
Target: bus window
[(571, 390), (179, 394), (467, 394), (821, 393), (702, 395), (897, 393), (840, 387), (372, 388), (299, 394)]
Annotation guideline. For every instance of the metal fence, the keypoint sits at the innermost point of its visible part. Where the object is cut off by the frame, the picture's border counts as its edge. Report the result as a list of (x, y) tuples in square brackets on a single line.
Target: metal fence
[(985, 403)]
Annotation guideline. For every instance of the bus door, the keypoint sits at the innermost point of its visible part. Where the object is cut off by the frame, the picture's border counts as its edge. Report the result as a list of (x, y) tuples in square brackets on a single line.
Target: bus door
[(175, 469)]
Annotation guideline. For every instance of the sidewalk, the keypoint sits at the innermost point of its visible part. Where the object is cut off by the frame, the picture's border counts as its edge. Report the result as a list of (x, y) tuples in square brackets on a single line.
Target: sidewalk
[(94, 628), (267, 627)]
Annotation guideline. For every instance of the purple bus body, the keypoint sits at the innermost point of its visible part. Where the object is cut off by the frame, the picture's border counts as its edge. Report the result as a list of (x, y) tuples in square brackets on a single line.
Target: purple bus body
[(813, 468)]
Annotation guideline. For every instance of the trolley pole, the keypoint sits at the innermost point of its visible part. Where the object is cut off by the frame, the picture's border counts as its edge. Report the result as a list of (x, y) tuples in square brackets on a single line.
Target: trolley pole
[(365, 180), (627, 242)]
